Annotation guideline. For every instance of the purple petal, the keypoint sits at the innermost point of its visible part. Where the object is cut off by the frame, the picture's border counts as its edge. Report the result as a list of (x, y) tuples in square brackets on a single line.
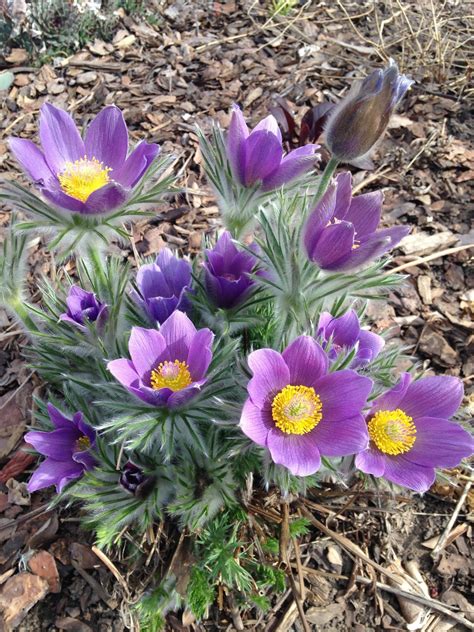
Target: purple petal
[(439, 443), (58, 444), (344, 194), (59, 420), (60, 138), (306, 361), (179, 398), (401, 472), (344, 330), (137, 164), (159, 308), (107, 138), (255, 422), (341, 438), (200, 354), (394, 234), (373, 246), (86, 459), (124, 371), (178, 332), (318, 219), (60, 199), (391, 399), (334, 245), (270, 375), (365, 212), (263, 153), (237, 134), (269, 124), (343, 394), (146, 347), (299, 453), (152, 282), (370, 345), (371, 461), (58, 473), (437, 396), (105, 199), (296, 163), (31, 160)]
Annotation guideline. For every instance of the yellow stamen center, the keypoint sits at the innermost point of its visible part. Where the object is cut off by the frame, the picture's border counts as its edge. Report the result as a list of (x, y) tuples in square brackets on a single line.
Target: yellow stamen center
[(296, 409), (81, 178), (392, 431), (83, 443), (173, 375)]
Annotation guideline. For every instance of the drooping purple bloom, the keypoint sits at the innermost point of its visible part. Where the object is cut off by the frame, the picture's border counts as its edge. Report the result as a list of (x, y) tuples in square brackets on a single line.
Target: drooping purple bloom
[(361, 118), (257, 156), (299, 411), (84, 307), (227, 273), (66, 448), (135, 481), (341, 232), (167, 367), (163, 286), (410, 432), (90, 176), (345, 334)]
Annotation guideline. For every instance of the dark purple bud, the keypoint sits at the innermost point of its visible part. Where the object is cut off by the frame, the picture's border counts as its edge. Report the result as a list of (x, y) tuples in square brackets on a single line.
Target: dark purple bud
[(361, 118), (227, 272), (134, 481), (163, 286), (84, 307)]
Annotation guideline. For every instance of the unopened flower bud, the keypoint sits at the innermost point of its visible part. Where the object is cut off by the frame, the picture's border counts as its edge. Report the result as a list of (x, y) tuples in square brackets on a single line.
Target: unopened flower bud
[(361, 118), (134, 481)]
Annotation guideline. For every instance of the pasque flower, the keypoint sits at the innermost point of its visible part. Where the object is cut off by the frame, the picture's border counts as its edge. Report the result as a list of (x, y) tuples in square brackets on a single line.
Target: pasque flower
[(345, 334), (135, 481), (163, 286), (167, 367), (410, 432), (257, 156), (89, 176), (227, 273), (361, 118), (84, 307), (66, 448), (341, 232), (299, 411)]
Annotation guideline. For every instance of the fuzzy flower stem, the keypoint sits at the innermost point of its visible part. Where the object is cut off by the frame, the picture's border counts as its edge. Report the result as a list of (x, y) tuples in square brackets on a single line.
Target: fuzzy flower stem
[(20, 311), (326, 177)]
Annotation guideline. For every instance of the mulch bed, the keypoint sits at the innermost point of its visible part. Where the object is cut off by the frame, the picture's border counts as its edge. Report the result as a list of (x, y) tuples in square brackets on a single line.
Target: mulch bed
[(188, 67)]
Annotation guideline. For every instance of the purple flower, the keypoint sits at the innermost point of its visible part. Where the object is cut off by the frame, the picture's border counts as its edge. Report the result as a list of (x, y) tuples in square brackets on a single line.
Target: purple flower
[(341, 232), (257, 156), (89, 176), (168, 366), (83, 307), (299, 411), (134, 481), (163, 286), (345, 334), (227, 272), (361, 118), (410, 432), (67, 451)]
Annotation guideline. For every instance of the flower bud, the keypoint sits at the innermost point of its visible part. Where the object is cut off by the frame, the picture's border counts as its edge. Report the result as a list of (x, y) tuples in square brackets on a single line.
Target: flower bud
[(134, 481), (84, 307), (361, 118)]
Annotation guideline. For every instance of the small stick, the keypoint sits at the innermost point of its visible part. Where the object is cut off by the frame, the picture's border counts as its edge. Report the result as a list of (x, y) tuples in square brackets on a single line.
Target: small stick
[(112, 568), (444, 536), (284, 532), (436, 255)]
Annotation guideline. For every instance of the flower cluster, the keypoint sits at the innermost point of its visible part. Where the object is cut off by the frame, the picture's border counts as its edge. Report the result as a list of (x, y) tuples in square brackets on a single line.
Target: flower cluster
[(252, 362)]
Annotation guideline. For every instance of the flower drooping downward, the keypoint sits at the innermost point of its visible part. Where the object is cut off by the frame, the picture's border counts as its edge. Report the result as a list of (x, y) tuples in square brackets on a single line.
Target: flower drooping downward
[(341, 232), (410, 432), (90, 176), (163, 286), (167, 367), (66, 448), (299, 411)]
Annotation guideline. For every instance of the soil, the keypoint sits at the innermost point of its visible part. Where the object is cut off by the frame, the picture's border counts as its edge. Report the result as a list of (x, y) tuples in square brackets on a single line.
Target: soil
[(187, 66)]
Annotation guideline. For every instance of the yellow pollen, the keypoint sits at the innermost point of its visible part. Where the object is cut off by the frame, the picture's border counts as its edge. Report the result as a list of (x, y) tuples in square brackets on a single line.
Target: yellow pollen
[(392, 431), (173, 375), (83, 443), (296, 409), (81, 178)]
